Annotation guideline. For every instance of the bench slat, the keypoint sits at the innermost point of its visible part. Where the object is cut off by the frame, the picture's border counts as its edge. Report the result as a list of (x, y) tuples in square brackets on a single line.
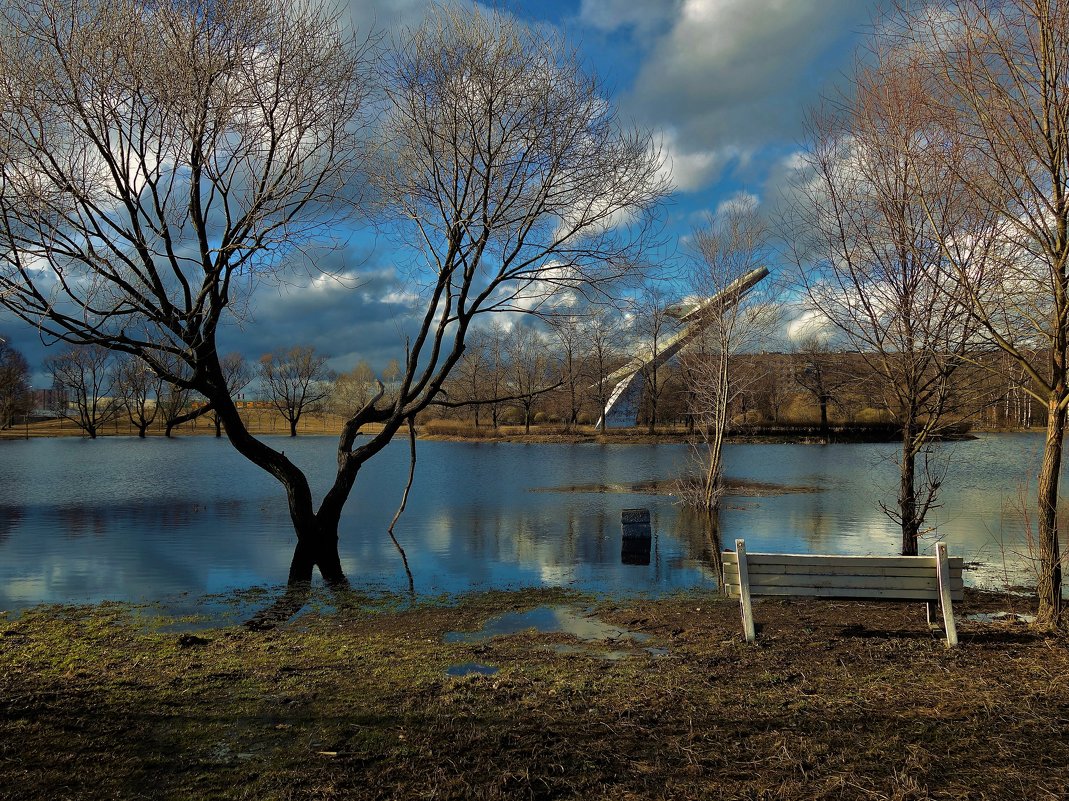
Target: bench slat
[(846, 592), (852, 562), (758, 582), (836, 570)]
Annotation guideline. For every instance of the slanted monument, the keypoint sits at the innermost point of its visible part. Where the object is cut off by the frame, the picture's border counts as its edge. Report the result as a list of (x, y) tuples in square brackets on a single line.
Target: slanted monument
[(622, 408)]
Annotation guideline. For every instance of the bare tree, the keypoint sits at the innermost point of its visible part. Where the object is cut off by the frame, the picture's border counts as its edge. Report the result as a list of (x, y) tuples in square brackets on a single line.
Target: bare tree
[(138, 389), (874, 264), (353, 389), (531, 372), (652, 326), (822, 373), (571, 337), (472, 373), (219, 142), (603, 337), (238, 374), (997, 77), (729, 248), (296, 381), (14, 384), (85, 376)]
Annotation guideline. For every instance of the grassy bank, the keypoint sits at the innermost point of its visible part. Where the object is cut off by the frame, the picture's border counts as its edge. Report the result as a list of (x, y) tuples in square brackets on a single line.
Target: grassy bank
[(840, 700)]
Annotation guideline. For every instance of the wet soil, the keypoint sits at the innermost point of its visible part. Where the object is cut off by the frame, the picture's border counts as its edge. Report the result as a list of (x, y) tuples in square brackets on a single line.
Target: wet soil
[(839, 699)]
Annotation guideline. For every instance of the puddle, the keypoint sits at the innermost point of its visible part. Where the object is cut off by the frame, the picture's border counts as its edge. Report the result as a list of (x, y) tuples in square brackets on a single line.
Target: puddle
[(470, 668), (1000, 617), (548, 620)]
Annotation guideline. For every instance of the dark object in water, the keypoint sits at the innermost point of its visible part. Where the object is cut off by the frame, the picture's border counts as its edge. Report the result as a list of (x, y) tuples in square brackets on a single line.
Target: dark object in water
[(637, 537)]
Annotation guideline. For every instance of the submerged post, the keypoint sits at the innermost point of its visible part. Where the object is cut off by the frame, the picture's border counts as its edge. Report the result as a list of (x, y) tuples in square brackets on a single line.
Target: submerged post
[(637, 536)]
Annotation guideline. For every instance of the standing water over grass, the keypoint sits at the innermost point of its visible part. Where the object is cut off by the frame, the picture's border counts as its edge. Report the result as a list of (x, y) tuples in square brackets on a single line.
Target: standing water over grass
[(148, 520)]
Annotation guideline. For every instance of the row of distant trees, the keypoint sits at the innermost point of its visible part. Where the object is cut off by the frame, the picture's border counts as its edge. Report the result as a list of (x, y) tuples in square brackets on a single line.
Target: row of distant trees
[(523, 375)]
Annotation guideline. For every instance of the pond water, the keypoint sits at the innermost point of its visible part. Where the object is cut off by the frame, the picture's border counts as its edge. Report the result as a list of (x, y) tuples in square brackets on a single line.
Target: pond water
[(156, 519)]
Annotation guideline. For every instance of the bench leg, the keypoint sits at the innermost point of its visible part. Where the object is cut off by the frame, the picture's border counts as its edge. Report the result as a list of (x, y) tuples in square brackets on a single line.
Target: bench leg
[(942, 568), (744, 593)]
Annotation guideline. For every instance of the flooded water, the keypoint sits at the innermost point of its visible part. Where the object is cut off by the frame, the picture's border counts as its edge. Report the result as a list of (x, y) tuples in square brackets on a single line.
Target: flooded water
[(151, 520)]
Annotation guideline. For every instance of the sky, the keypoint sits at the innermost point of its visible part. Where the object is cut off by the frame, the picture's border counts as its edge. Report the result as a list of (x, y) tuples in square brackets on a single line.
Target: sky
[(722, 84)]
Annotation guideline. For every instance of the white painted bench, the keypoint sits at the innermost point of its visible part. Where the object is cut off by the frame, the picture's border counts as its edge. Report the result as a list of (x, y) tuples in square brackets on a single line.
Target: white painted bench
[(933, 579)]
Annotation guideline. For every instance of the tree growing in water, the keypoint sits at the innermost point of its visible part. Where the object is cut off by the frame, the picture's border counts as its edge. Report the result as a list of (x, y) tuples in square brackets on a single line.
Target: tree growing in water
[(727, 248), (161, 158)]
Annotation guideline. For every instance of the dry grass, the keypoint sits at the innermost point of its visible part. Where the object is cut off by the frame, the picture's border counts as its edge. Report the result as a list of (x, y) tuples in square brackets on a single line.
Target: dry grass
[(840, 700)]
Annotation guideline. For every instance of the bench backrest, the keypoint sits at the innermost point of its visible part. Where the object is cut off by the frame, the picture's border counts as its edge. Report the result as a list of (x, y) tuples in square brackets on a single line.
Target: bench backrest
[(881, 577)]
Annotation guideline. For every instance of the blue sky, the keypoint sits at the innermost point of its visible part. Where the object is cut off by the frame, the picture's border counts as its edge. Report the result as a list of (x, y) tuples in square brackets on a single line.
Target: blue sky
[(723, 84)]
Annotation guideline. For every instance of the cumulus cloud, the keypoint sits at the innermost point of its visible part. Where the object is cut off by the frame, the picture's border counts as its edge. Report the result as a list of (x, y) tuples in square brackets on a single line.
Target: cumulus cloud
[(810, 324), (730, 76), (741, 201), (612, 15), (687, 169)]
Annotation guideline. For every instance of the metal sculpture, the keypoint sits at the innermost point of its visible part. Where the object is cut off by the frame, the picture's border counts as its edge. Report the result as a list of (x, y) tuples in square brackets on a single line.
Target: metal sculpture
[(622, 407)]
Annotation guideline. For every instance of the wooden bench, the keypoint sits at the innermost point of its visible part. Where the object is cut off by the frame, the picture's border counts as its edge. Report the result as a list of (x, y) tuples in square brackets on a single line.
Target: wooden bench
[(933, 579)]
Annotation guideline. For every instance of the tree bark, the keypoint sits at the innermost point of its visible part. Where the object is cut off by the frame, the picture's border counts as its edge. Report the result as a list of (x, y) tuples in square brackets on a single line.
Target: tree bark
[(907, 492), (317, 547), (1049, 584)]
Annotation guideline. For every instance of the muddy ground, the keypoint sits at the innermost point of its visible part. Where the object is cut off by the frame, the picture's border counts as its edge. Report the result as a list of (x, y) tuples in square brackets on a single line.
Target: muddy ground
[(840, 700)]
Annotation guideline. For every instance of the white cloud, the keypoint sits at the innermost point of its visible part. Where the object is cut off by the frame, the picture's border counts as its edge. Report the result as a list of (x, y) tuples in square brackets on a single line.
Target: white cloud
[(810, 324), (690, 169), (612, 15), (738, 202), (728, 77)]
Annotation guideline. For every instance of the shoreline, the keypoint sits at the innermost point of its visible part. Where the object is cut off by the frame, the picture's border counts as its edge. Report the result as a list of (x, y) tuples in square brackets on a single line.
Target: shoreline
[(539, 435)]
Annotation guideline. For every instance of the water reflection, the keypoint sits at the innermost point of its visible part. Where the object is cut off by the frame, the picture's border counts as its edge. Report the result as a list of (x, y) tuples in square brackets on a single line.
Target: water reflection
[(143, 520)]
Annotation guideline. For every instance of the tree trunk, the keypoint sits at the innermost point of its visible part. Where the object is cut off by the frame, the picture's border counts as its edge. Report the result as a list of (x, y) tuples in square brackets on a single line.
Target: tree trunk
[(293, 427), (824, 417), (1049, 584), (907, 491), (317, 547), (141, 430), (167, 429), (218, 427)]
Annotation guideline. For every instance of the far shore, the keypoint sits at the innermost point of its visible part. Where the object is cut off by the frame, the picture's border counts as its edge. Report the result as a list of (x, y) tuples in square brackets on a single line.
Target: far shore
[(264, 423)]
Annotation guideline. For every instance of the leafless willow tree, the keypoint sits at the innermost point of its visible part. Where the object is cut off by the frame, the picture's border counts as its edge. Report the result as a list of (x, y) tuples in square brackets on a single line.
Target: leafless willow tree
[(824, 375), (874, 263), (138, 390), (571, 343), (296, 381), (156, 160), (84, 377), (603, 332), (652, 326), (353, 389), (727, 249), (997, 81), (530, 370)]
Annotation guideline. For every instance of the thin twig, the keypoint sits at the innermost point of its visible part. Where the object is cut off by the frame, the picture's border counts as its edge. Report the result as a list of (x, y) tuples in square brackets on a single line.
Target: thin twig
[(404, 502)]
